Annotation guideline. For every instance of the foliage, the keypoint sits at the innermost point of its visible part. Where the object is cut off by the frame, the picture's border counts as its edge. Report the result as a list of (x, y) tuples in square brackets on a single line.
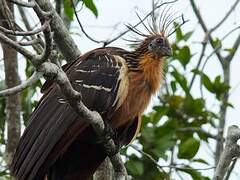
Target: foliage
[(68, 10)]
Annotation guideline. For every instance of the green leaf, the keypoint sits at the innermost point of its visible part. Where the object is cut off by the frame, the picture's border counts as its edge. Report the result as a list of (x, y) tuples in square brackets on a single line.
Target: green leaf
[(91, 6), (207, 83), (217, 43), (68, 9), (220, 87), (189, 148), (230, 50), (135, 167), (193, 107), (181, 80), (201, 161), (187, 35), (173, 86), (183, 55), (179, 34)]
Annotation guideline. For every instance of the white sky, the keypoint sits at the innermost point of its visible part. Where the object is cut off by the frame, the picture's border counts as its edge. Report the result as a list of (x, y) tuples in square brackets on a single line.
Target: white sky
[(117, 13)]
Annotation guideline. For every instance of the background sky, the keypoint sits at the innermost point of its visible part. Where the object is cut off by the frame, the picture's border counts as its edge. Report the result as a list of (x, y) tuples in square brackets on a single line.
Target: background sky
[(114, 14)]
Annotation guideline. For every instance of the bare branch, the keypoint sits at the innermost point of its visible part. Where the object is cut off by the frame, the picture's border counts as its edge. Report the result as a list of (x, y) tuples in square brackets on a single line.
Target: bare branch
[(231, 150), (61, 35), (204, 45), (129, 27), (29, 4), (234, 48), (26, 33), (176, 166), (29, 43), (29, 82), (37, 48), (225, 17), (205, 29), (16, 46)]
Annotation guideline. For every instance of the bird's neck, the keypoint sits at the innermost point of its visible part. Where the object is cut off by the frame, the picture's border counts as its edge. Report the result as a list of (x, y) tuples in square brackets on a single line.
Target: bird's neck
[(152, 71)]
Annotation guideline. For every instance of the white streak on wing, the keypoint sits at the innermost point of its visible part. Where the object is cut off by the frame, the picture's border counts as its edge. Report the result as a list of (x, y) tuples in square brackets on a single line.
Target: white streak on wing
[(79, 81), (97, 87), (108, 60), (62, 101), (85, 71)]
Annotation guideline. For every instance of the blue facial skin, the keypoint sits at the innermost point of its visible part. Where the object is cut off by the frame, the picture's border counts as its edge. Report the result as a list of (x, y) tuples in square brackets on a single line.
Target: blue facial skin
[(160, 47)]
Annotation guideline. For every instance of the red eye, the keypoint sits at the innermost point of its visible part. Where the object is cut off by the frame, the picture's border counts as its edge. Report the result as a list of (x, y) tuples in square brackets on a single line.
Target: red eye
[(159, 40)]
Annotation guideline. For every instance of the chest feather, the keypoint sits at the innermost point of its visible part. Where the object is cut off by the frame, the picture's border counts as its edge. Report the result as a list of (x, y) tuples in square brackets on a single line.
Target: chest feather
[(142, 85)]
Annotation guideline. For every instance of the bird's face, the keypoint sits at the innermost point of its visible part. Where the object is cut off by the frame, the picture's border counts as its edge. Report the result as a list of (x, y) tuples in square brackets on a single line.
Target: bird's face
[(160, 47)]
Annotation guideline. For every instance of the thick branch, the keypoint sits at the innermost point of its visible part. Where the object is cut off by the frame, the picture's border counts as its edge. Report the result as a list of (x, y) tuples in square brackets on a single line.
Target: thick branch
[(231, 151), (22, 3)]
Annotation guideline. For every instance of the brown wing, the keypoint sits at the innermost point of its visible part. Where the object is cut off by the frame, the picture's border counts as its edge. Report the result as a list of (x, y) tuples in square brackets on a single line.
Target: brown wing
[(99, 76)]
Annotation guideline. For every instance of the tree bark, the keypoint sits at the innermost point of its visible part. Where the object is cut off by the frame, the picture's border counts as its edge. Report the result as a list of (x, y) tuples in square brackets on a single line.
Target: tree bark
[(105, 171), (13, 102), (223, 111)]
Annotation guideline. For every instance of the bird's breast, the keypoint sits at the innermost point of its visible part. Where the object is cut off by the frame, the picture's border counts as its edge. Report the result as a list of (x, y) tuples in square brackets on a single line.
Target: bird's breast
[(141, 88)]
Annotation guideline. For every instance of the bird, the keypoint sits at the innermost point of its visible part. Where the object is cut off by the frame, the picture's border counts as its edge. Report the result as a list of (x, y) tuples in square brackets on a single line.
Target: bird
[(117, 83)]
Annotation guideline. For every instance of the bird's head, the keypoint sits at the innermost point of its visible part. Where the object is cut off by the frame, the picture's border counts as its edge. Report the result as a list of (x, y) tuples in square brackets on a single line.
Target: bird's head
[(159, 46), (157, 31)]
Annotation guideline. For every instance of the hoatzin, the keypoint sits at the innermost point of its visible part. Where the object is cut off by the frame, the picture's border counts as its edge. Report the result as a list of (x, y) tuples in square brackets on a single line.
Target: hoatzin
[(114, 82)]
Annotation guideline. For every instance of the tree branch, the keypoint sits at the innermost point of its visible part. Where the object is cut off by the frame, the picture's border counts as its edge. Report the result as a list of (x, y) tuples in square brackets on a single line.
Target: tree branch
[(29, 82), (29, 4), (230, 151), (235, 47), (26, 33), (225, 17), (205, 29), (230, 169)]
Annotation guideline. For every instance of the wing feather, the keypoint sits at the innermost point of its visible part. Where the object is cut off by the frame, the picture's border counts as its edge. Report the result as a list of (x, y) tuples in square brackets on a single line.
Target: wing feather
[(101, 77)]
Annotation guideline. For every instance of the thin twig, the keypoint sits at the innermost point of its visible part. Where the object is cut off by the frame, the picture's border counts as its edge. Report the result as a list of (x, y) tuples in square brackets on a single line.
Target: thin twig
[(225, 17), (25, 33), (29, 82), (129, 28), (37, 48), (234, 48), (205, 29), (178, 166), (204, 45), (16, 46)]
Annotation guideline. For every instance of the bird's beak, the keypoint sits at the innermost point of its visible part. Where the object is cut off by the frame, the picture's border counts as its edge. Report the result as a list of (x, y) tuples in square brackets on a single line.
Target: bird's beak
[(167, 51)]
